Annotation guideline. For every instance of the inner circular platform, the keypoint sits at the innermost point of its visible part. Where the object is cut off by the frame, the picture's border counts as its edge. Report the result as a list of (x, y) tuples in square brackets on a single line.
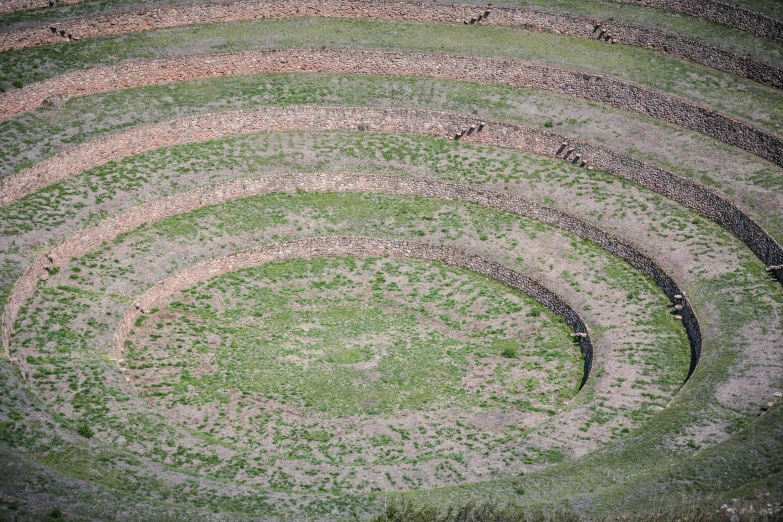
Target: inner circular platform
[(398, 368)]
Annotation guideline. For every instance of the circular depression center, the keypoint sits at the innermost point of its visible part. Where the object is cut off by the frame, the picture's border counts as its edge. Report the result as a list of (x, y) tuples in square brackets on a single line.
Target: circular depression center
[(416, 373)]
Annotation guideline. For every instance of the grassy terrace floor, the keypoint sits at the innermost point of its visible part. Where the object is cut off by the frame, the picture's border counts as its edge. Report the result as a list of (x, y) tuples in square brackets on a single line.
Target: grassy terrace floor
[(714, 34), (322, 333), (758, 104), (354, 362)]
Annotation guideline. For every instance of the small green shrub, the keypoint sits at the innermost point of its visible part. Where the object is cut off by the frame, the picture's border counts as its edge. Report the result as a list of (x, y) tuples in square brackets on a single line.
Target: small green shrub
[(84, 429), (56, 513), (549, 124), (509, 352)]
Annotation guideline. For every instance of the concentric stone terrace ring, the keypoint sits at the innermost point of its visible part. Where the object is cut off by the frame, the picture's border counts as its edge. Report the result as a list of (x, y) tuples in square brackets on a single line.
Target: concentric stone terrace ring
[(584, 27)]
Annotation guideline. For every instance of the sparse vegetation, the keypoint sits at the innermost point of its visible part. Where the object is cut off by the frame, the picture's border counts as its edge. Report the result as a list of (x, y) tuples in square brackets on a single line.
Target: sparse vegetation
[(381, 389), (84, 429)]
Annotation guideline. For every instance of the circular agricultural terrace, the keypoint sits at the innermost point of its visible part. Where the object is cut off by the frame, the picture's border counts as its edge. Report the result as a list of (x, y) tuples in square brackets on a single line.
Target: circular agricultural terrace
[(381, 260)]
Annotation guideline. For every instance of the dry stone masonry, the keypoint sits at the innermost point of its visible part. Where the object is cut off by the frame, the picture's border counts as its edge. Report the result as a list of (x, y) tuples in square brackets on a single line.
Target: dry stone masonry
[(497, 71), (353, 246), (579, 26), (8, 6), (731, 15), (91, 238), (528, 139), (723, 13)]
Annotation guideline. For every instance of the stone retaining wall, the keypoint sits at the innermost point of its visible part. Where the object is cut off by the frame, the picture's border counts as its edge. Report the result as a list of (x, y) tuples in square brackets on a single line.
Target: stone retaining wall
[(723, 13), (333, 61), (731, 15), (91, 238), (412, 121), (353, 246), (583, 27), (8, 6)]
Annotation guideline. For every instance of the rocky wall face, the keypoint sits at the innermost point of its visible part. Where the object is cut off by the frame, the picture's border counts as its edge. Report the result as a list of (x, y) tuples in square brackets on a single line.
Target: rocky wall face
[(579, 26), (731, 15), (482, 70), (91, 238), (723, 13), (8, 6), (351, 246)]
